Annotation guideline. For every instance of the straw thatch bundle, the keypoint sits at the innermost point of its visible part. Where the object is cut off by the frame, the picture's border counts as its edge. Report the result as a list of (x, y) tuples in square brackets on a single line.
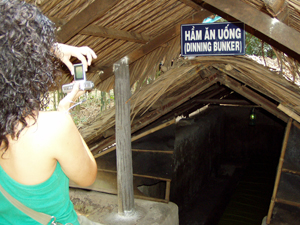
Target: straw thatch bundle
[(151, 99), (258, 77), (147, 67), (141, 101)]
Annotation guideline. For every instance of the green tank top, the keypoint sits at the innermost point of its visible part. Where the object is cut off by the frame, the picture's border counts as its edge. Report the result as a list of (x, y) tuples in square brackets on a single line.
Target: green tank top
[(50, 197)]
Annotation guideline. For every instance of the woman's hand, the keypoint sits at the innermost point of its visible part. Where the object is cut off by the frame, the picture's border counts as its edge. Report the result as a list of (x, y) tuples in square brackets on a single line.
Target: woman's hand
[(84, 54), (66, 103)]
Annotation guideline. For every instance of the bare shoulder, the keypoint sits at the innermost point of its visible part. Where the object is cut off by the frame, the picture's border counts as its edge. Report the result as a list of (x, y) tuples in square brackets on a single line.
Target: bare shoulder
[(66, 145), (55, 122), (32, 157), (54, 118), (50, 130)]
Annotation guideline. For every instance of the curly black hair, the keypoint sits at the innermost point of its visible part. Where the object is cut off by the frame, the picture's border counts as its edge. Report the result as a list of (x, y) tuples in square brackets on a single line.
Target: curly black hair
[(28, 65)]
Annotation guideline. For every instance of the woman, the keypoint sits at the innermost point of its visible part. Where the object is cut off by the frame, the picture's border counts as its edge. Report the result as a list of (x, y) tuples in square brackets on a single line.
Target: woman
[(40, 151)]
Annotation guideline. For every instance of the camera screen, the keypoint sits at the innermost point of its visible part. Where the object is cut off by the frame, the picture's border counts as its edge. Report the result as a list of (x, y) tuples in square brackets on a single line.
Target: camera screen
[(79, 72)]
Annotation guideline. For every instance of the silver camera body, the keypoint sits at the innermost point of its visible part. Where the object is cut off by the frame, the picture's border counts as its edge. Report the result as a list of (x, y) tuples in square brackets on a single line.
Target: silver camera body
[(80, 77)]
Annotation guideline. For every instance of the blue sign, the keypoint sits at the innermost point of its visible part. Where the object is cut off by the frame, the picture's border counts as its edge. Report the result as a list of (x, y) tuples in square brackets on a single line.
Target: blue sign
[(213, 39)]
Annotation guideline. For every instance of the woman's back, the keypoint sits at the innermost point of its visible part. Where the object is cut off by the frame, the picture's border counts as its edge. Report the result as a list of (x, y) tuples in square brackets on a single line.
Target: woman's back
[(39, 160), (50, 197), (39, 151), (29, 160)]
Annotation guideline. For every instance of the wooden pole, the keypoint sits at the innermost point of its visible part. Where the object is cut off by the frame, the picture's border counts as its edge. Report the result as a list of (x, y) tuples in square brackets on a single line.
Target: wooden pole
[(123, 138), (279, 170), (289, 112)]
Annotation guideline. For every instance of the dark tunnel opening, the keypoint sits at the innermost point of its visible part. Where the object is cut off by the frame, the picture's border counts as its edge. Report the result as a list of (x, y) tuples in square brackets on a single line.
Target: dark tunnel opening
[(225, 165)]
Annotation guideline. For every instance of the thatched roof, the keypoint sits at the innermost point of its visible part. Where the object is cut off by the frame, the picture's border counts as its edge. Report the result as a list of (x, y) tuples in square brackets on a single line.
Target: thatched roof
[(189, 85), (135, 28), (148, 33)]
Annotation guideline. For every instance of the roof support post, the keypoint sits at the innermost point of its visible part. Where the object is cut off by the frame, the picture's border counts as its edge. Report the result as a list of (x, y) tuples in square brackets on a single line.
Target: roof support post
[(123, 138)]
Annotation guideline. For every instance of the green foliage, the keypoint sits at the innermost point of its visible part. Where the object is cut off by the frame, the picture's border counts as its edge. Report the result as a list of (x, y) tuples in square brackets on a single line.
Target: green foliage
[(96, 102), (255, 46), (103, 100)]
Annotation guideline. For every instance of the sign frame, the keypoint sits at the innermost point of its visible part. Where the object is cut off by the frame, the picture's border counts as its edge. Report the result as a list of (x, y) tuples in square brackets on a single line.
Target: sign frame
[(203, 39)]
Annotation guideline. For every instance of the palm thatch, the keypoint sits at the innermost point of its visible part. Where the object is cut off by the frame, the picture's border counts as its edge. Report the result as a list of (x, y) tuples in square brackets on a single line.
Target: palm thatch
[(184, 81), (135, 28), (148, 33), (147, 67)]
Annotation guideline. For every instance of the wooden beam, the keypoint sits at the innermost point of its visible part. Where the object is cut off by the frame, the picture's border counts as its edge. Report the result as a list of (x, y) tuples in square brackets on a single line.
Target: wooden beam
[(145, 133), (192, 4), (123, 138), (276, 6), (289, 112), (152, 177), (278, 9), (154, 44), (153, 151), (137, 175), (286, 202), (98, 31), (263, 26), (106, 182), (168, 188), (222, 101), (253, 96), (166, 36), (91, 13), (159, 127), (290, 171)]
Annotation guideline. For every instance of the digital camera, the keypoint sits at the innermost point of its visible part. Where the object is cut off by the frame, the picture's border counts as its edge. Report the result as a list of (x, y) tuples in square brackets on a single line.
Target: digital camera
[(79, 76)]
